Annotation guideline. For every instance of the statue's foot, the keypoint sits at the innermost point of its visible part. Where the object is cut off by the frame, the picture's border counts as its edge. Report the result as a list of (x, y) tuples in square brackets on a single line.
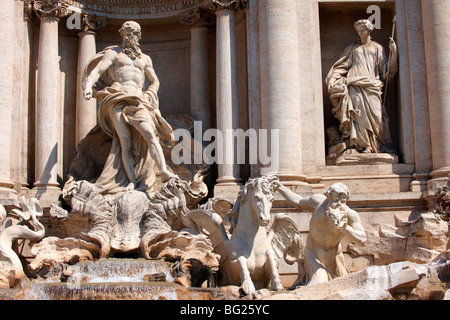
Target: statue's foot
[(130, 187), (368, 150), (248, 287), (276, 285)]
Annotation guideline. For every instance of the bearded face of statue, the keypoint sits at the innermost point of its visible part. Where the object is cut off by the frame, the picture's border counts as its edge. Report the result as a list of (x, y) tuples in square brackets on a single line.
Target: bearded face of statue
[(337, 207), (131, 34)]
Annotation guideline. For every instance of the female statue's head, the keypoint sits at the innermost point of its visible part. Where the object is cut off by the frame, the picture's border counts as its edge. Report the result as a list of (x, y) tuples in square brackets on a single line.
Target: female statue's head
[(364, 28)]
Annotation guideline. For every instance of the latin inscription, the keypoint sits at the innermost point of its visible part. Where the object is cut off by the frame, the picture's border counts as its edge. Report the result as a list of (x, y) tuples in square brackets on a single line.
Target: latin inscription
[(149, 7)]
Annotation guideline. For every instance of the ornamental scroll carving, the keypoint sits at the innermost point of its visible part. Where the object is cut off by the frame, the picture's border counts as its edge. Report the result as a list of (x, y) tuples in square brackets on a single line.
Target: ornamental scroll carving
[(48, 8), (91, 22), (225, 4), (198, 18)]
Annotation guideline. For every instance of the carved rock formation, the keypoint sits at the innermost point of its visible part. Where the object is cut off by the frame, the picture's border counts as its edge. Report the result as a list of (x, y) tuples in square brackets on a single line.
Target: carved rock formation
[(421, 241)]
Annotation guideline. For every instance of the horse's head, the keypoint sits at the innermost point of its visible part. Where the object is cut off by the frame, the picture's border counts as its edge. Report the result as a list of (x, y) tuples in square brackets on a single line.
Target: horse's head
[(259, 193)]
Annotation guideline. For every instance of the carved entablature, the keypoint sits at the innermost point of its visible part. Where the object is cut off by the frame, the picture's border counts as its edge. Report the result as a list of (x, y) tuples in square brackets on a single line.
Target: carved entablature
[(48, 8), (136, 9)]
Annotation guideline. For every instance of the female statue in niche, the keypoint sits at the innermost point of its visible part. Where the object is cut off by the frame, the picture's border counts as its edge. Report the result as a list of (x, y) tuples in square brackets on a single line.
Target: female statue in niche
[(355, 84)]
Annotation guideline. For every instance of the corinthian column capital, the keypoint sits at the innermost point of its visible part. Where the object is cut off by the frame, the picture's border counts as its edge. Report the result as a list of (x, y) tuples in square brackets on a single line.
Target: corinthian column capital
[(91, 22), (218, 5), (50, 9), (198, 18)]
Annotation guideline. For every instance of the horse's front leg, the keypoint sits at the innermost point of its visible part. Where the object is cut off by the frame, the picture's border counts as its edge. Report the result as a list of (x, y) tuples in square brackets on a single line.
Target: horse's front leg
[(246, 281), (273, 270)]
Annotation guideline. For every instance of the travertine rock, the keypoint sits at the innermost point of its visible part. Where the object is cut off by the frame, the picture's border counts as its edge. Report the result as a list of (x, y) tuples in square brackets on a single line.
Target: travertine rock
[(372, 283), (420, 241), (12, 278), (54, 253)]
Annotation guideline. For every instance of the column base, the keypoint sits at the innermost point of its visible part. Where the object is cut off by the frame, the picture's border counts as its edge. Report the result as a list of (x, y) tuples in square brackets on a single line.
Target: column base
[(420, 182), (46, 195), (439, 178), (8, 197)]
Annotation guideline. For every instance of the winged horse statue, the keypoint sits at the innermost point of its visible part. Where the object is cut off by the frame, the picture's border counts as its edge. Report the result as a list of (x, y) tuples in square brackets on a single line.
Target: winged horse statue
[(251, 249)]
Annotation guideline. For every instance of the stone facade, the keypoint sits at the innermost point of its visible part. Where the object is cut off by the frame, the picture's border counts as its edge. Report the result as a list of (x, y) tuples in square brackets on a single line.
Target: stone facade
[(248, 64)]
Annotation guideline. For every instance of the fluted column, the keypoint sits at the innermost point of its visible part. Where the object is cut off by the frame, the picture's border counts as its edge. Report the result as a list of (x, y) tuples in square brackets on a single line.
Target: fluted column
[(7, 194), (436, 24), (253, 72), (48, 108), (280, 85), (199, 22), (227, 92), (86, 110)]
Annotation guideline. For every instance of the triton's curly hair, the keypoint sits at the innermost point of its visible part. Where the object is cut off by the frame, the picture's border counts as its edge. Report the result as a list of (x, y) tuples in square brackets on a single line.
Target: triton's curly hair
[(338, 188)]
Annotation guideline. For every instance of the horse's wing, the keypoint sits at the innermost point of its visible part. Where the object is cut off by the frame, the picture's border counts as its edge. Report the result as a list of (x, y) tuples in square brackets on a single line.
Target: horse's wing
[(285, 239), (211, 224)]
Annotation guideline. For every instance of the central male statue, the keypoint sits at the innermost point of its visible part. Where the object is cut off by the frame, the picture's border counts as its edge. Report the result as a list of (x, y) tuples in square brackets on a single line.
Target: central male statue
[(128, 114)]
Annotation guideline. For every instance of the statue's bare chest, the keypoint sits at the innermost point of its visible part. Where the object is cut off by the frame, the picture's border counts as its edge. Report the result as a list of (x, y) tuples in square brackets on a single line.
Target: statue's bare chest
[(127, 69), (123, 61)]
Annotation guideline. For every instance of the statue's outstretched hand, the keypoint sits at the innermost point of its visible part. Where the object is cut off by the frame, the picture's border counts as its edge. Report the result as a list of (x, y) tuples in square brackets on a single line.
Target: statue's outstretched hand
[(88, 94), (276, 184)]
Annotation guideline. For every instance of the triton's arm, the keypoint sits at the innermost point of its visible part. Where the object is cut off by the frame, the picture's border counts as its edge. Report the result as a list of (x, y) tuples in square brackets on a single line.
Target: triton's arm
[(310, 202), (151, 76)]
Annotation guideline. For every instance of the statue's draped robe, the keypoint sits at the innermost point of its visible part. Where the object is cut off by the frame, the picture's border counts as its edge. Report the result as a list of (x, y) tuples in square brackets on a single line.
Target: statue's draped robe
[(355, 86), (134, 109)]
